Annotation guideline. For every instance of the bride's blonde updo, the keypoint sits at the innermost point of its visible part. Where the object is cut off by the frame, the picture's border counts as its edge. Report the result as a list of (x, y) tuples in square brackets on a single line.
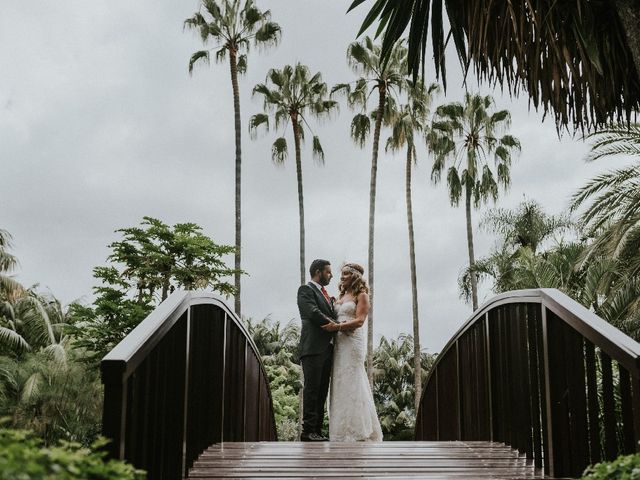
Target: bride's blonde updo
[(355, 284)]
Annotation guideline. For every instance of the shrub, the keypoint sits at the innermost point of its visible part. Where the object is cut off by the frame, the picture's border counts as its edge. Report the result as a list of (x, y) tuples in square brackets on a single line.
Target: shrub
[(22, 457), (623, 468)]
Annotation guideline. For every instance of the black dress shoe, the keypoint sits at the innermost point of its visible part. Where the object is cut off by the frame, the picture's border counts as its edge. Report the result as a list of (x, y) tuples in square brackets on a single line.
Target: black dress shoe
[(312, 437)]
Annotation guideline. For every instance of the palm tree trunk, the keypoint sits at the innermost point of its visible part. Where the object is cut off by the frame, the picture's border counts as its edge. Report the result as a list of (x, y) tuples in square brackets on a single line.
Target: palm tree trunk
[(472, 261), (629, 13), (414, 287), (372, 214), (236, 111), (296, 138)]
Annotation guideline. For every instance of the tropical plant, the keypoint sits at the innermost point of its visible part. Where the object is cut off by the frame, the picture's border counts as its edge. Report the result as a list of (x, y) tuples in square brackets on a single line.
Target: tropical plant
[(579, 59), (610, 219), (30, 321), (408, 122), (55, 397), (464, 136), (145, 266), (292, 94), (22, 456), (611, 201), (388, 80), (528, 225), (233, 25), (278, 346), (8, 262), (393, 387)]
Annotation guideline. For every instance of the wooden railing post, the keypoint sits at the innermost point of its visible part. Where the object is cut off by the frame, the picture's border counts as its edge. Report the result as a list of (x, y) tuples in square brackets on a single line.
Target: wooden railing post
[(487, 359), (187, 365), (114, 409), (548, 462)]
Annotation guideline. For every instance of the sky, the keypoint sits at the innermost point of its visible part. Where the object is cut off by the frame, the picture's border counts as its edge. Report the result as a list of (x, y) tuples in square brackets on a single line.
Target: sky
[(101, 124)]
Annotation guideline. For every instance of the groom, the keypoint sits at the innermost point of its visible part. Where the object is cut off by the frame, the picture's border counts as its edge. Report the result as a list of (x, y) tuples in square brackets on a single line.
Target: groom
[(316, 348)]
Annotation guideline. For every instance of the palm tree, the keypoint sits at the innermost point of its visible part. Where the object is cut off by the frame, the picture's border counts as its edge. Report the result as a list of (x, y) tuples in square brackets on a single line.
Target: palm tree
[(580, 60), (8, 286), (233, 25), (387, 78), (526, 226), (466, 135), (292, 94), (409, 120), (613, 214), (516, 263)]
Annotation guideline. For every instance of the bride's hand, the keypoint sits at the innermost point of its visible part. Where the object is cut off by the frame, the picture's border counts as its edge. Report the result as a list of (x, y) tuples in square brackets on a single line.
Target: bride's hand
[(330, 327)]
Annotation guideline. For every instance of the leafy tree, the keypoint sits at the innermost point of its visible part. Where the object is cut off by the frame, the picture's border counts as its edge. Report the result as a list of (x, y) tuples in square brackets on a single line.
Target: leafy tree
[(146, 265), (579, 59), (464, 136), (292, 95), (387, 78), (408, 121), (233, 25)]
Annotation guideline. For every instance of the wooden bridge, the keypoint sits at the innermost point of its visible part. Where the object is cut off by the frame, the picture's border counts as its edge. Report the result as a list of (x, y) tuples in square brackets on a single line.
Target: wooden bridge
[(533, 385)]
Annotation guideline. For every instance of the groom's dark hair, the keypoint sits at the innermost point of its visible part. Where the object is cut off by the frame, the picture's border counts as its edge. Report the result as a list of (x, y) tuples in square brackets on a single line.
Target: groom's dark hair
[(318, 264)]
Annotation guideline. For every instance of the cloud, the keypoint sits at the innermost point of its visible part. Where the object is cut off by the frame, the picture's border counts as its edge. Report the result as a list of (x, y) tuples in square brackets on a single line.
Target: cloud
[(101, 124)]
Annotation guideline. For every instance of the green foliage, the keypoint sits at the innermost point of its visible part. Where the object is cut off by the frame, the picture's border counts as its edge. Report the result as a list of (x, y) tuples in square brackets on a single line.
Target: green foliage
[(145, 266), (56, 398), (22, 457), (393, 385), (626, 467), (278, 347)]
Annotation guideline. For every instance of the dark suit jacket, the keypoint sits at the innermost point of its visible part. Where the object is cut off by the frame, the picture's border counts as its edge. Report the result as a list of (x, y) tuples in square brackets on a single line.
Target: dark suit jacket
[(315, 311)]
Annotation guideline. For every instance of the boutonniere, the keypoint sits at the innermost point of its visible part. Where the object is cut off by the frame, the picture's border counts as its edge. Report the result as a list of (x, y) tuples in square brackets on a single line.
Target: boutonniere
[(333, 301)]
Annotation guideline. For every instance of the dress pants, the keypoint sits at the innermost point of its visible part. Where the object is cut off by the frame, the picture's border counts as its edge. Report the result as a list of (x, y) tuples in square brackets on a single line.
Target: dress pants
[(317, 373)]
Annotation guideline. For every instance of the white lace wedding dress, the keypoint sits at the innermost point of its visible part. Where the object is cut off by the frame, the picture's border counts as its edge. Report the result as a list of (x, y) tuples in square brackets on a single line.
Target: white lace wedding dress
[(352, 413)]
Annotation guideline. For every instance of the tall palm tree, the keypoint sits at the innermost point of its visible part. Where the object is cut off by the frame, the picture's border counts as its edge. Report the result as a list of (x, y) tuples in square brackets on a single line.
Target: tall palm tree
[(410, 120), (232, 25), (579, 59), (387, 79), (465, 136), (292, 94)]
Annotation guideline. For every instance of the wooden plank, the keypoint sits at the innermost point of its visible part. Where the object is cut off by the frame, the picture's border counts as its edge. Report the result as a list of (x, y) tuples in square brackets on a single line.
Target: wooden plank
[(389, 460)]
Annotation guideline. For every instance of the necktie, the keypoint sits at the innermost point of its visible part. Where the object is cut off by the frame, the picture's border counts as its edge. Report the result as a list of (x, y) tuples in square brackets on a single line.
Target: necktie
[(326, 295)]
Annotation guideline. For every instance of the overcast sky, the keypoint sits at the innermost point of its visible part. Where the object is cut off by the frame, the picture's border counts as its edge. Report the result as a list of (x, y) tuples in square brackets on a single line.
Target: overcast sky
[(100, 124)]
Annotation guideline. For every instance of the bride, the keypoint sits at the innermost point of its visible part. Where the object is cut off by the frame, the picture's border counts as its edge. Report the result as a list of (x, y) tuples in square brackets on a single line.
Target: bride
[(352, 413)]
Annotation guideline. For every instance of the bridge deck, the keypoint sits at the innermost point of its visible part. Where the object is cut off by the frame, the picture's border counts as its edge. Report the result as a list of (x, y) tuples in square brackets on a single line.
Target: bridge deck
[(397, 460)]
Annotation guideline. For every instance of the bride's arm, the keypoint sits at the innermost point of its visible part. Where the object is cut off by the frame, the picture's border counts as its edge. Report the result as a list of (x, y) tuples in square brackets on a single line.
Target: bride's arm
[(362, 310)]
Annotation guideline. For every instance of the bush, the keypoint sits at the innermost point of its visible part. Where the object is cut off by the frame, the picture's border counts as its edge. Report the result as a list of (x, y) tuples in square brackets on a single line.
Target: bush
[(623, 468), (22, 457)]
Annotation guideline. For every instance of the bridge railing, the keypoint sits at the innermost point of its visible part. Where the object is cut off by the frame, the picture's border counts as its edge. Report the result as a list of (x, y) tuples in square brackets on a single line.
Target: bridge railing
[(538, 371), (187, 377)]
